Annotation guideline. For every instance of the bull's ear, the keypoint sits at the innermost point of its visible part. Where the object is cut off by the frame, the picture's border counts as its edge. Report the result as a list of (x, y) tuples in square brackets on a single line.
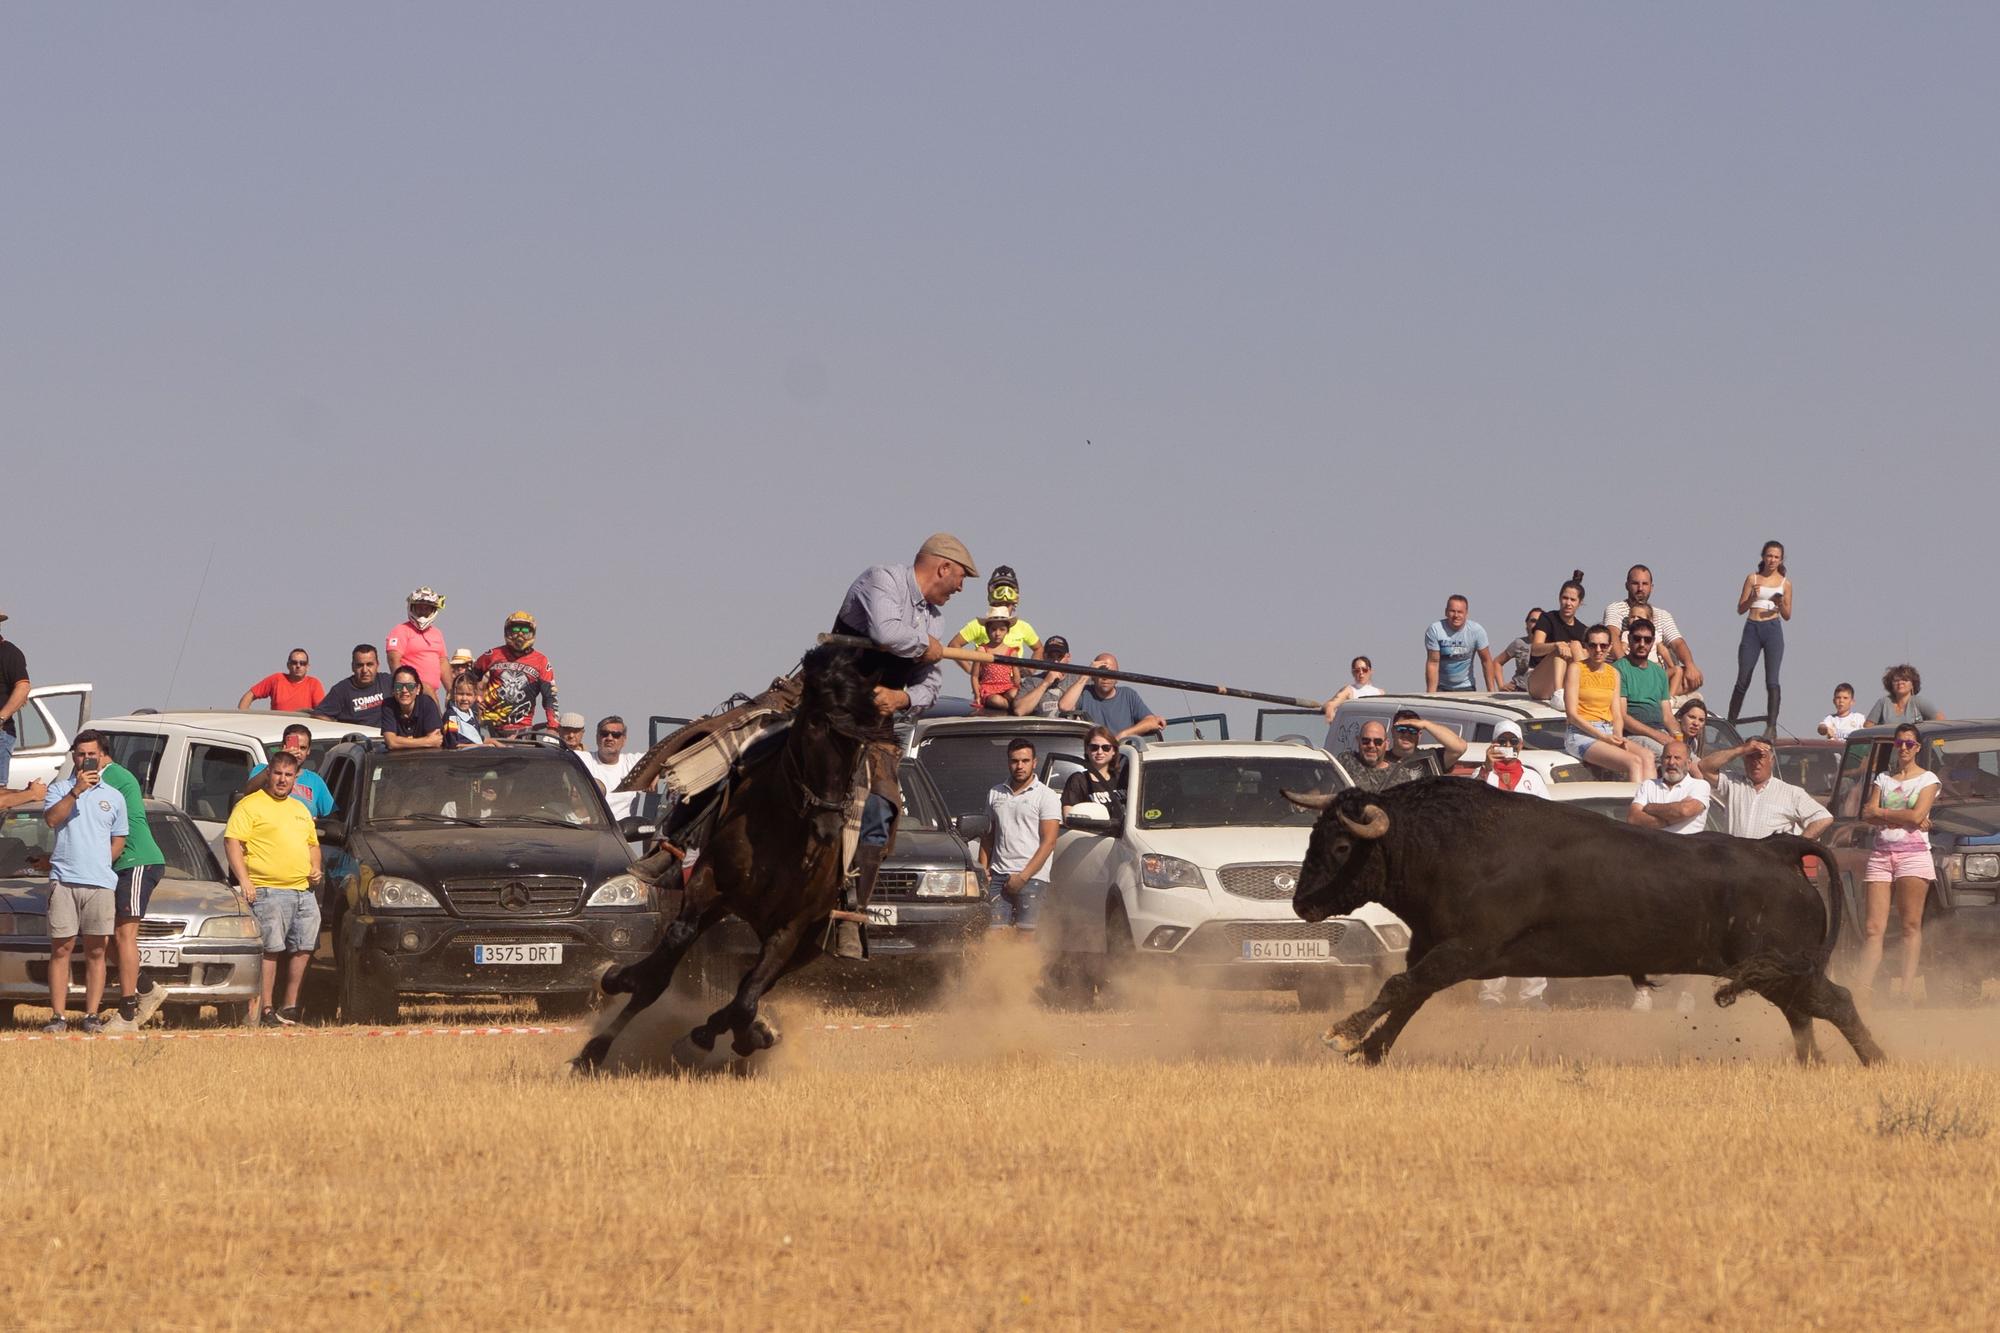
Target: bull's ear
[(1310, 800)]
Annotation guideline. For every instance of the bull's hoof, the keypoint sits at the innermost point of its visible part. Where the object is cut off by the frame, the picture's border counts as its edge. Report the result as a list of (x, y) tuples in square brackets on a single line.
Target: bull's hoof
[(591, 1058), (1339, 1041)]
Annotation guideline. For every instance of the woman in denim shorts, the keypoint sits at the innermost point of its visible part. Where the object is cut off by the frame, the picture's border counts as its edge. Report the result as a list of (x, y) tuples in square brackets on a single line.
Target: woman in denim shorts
[(1594, 701), (1899, 869)]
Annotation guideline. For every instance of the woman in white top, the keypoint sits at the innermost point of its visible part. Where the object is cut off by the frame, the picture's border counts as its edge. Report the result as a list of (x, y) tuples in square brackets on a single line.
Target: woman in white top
[(1765, 604), (1364, 685), (1899, 869)]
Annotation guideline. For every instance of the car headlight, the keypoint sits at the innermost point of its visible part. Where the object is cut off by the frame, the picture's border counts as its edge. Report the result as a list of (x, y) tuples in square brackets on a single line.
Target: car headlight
[(1393, 936), (621, 891), (1983, 865), (233, 927), (1168, 872), (399, 894), (945, 883)]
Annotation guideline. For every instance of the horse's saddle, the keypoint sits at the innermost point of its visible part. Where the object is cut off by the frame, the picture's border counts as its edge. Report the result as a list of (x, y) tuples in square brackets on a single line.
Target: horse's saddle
[(703, 753)]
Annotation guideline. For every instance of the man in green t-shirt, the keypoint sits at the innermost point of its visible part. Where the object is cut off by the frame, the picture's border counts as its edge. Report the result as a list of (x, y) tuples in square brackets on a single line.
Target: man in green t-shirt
[(1646, 687), (139, 871)]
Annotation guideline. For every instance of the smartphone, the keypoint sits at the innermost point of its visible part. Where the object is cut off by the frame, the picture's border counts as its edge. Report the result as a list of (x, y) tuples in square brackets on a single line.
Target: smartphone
[(88, 765)]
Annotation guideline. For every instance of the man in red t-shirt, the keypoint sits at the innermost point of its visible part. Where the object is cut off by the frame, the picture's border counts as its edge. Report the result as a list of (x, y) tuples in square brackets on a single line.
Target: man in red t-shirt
[(290, 691)]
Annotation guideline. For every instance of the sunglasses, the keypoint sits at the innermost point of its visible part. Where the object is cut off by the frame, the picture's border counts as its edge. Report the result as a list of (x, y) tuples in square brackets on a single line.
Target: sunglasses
[(298, 661), (1100, 749), (611, 735), (1642, 638), (1909, 745), (1373, 740), (1597, 647), (1406, 731), (405, 687)]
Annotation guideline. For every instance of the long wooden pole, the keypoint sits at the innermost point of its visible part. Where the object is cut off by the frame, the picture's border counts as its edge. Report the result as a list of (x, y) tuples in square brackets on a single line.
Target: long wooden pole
[(1074, 669)]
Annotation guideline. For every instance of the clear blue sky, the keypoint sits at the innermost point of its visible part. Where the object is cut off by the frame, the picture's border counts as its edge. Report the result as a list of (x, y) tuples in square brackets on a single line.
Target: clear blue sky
[(1246, 334)]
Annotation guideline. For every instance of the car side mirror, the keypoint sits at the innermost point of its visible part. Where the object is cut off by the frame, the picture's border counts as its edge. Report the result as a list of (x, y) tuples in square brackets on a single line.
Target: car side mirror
[(973, 827), (1090, 817), (637, 828), (330, 831)]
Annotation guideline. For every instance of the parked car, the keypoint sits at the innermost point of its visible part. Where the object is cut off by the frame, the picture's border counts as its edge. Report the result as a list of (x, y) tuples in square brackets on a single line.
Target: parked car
[(1811, 762), (199, 760), (965, 756), (1962, 913), (1553, 765), (488, 871), (929, 905), (198, 939), (43, 727), (1197, 879)]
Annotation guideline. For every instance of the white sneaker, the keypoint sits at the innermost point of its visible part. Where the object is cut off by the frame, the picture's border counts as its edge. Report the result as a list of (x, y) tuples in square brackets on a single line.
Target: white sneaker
[(149, 1004), (1642, 1000)]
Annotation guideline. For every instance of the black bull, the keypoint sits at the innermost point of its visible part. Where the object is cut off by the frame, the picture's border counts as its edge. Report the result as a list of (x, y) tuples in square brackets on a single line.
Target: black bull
[(1493, 884)]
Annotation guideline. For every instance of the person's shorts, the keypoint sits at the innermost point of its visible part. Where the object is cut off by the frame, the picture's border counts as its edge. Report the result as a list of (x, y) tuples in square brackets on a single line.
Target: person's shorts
[(135, 891), (1652, 745), (1575, 742), (288, 919), (80, 909), (1019, 910), (1895, 860)]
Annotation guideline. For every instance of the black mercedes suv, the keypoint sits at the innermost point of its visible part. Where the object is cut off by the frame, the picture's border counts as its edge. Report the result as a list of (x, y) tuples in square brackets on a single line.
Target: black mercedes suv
[(485, 871)]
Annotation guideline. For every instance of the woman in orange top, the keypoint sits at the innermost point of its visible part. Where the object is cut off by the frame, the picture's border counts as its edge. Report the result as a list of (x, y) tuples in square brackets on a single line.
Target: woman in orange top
[(1594, 700)]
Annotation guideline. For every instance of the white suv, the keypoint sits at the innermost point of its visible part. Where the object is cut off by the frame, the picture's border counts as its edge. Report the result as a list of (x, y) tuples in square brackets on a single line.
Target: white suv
[(200, 760), (1197, 876)]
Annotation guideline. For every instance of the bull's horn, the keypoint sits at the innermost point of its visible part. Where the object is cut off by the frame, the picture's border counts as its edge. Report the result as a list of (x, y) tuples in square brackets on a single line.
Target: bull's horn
[(1374, 826), (1310, 800)]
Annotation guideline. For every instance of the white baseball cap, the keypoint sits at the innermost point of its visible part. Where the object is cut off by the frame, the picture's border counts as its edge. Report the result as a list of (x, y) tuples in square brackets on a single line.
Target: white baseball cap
[(1507, 731)]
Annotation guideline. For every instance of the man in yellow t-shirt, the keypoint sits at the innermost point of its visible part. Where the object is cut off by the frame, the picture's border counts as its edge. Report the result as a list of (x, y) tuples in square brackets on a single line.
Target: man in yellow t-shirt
[(274, 859)]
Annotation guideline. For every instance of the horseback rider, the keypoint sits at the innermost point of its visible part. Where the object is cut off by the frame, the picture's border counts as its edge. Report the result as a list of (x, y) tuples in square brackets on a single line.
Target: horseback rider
[(899, 608)]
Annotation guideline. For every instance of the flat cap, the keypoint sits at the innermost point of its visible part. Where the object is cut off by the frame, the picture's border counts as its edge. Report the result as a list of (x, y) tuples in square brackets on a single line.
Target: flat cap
[(570, 722), (947, 547)]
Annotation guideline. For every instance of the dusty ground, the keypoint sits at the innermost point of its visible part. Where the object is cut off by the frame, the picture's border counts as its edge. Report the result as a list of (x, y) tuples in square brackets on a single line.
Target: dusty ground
[(1193, 1160)]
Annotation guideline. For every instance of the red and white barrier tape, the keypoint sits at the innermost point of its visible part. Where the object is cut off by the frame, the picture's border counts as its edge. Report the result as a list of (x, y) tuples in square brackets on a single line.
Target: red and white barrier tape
[(285, 1034)]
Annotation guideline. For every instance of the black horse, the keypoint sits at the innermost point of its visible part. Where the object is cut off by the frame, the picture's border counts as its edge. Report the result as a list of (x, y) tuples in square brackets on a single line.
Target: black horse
[(772, 859)]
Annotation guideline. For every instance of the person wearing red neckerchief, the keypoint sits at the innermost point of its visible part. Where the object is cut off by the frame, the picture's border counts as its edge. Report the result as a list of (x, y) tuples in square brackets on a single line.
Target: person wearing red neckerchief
[(1503, 769)]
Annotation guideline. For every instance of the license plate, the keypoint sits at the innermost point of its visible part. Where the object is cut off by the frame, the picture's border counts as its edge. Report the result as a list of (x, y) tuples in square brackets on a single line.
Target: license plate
[(152, 955), (881, 914), (1288, 951), (517, 954)]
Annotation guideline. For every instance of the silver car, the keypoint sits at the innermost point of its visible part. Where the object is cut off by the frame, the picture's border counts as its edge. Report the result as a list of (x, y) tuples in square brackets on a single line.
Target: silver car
[(198, 939)]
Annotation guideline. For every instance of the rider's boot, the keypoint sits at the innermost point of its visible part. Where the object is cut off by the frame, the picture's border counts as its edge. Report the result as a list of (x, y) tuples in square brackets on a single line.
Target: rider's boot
[(847, 938)]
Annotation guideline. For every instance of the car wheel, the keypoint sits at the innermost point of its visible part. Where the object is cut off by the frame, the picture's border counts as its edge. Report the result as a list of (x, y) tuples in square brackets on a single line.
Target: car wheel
[(567, 1004), (1120, 951), (366, 1000), (233, 1015), (1322, 996), (1069, 980)]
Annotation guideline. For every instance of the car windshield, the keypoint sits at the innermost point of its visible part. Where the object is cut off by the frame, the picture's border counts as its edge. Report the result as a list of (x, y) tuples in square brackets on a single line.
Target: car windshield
[(919, 807), (1206, 793), (26, 844), (964, 764), (1968, 769), (482, 785)]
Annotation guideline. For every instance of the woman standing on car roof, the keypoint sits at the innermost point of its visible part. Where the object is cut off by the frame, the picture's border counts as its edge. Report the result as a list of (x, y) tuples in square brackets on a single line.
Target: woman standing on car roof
[(1900, 870), (1102, 777), (1557, 642), (1765, 605)]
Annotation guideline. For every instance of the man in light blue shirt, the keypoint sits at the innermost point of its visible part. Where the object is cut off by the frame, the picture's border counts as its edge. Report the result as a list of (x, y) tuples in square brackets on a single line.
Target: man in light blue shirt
[(898, 608), (1450, 645), (90, 821), (308, 789)]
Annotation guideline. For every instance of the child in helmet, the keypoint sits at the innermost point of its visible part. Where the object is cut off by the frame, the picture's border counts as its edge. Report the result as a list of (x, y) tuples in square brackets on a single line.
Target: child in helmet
[(1003, 597)]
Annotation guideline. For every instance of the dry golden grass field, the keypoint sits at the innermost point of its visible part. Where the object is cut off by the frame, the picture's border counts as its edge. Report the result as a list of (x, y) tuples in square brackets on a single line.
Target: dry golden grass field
[(1191, 1161)]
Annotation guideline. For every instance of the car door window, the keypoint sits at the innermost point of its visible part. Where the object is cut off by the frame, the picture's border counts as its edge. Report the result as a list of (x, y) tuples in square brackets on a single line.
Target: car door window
[(1852, 789), (338, 775), (138, 753), (1057, 768), (215, 774), (33, 728)]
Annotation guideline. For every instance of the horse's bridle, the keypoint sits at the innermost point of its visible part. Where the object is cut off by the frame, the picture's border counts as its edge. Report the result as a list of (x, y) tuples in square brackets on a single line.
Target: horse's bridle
[(810, 801)]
